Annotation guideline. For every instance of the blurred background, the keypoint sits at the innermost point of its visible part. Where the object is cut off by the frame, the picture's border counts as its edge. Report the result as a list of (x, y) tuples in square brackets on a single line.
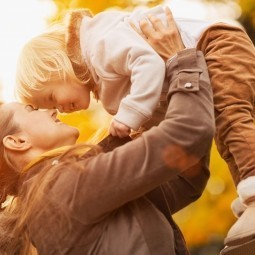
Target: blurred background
[(205, 222)]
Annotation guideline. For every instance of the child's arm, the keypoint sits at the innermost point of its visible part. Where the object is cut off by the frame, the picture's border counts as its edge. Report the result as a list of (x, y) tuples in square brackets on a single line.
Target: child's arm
[(130, 76), (119, 129)]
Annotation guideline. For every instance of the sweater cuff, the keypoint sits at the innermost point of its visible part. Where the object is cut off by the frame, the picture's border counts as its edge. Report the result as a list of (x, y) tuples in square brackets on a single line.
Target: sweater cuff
[(131, 117), (246, 189)]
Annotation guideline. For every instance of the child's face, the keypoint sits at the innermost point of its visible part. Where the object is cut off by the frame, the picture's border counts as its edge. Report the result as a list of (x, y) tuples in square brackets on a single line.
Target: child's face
[(66, 96)]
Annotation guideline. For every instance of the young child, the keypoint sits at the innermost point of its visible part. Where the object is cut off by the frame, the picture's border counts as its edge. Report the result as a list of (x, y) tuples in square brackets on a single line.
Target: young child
[(103, 54)]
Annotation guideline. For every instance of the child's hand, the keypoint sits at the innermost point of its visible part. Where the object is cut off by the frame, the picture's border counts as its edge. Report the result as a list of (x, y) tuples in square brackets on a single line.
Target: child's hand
[(119, 129)]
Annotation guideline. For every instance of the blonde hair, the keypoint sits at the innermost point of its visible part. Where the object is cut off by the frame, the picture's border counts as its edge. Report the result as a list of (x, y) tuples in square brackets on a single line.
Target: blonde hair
[(45, 58)]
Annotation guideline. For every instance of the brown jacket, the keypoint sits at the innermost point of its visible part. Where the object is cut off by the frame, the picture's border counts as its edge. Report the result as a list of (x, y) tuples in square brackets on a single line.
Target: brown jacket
[(99, 205)]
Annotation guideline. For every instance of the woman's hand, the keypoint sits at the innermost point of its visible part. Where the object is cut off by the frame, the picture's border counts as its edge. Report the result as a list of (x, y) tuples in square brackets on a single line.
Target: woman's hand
[(165, 40)]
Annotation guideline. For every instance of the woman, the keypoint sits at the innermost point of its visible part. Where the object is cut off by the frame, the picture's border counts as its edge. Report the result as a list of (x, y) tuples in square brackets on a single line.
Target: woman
[(68, 201)]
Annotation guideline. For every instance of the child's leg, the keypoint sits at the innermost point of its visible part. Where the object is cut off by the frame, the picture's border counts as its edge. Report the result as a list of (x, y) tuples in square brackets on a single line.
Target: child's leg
[(230, 56)]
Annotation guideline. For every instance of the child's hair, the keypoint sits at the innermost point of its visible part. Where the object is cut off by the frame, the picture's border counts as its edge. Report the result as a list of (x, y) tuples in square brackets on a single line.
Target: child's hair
[(46, 58)]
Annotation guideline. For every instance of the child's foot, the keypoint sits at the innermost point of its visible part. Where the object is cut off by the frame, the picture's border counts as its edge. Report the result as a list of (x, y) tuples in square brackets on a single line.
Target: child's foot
[(244, 228)]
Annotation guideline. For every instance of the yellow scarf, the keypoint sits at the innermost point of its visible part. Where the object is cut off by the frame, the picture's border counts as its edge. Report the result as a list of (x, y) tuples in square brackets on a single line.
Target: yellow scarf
[(48, 154), (58, 151)]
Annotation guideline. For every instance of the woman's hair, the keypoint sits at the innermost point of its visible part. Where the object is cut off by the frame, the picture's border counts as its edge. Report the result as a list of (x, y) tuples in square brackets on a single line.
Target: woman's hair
[(14, 218), (9, 184), (46, 58), (9, 177)]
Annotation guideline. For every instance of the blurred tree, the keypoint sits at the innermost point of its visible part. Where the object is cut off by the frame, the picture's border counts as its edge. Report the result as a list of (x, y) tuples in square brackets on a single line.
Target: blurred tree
[(98, 6), (247, 17)]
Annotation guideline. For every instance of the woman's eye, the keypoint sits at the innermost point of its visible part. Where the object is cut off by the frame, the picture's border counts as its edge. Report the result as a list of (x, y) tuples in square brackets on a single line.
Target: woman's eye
[(30, 108)]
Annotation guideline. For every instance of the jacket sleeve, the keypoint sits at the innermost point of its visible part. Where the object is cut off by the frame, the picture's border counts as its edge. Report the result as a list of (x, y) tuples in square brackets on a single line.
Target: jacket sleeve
[(109, 180), (183, 189)]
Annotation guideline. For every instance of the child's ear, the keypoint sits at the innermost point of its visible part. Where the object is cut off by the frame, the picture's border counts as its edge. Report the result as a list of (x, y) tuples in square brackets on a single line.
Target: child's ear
[(16, 143)]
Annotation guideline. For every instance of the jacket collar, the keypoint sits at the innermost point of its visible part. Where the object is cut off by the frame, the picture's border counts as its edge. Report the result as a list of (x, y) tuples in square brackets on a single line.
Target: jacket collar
[(73, 23)]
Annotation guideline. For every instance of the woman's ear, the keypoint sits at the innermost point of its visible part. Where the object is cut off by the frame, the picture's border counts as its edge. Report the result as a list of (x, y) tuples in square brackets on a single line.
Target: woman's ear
[(16, 142)]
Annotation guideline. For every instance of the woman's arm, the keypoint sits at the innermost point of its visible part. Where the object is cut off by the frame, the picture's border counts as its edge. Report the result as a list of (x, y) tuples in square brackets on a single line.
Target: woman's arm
[(189, 185), (109, 180)]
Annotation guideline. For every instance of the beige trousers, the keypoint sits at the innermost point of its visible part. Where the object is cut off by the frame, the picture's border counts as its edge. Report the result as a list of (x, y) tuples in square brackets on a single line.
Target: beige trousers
[(230, 57)]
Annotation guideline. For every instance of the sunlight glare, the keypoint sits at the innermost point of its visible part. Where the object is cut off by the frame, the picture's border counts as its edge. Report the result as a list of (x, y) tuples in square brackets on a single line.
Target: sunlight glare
[(199, 9), (19, 21)]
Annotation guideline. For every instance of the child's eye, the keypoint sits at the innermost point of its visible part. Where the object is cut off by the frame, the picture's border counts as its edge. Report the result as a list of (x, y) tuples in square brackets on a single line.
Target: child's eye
[(51, 97), (30, 108)]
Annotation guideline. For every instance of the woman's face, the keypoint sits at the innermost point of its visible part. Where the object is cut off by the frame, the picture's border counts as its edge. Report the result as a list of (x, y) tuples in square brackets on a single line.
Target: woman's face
[(41, 127)]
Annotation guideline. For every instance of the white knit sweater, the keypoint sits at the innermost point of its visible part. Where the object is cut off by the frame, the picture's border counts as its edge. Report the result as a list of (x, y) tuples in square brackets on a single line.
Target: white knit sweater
[(130, 74)]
